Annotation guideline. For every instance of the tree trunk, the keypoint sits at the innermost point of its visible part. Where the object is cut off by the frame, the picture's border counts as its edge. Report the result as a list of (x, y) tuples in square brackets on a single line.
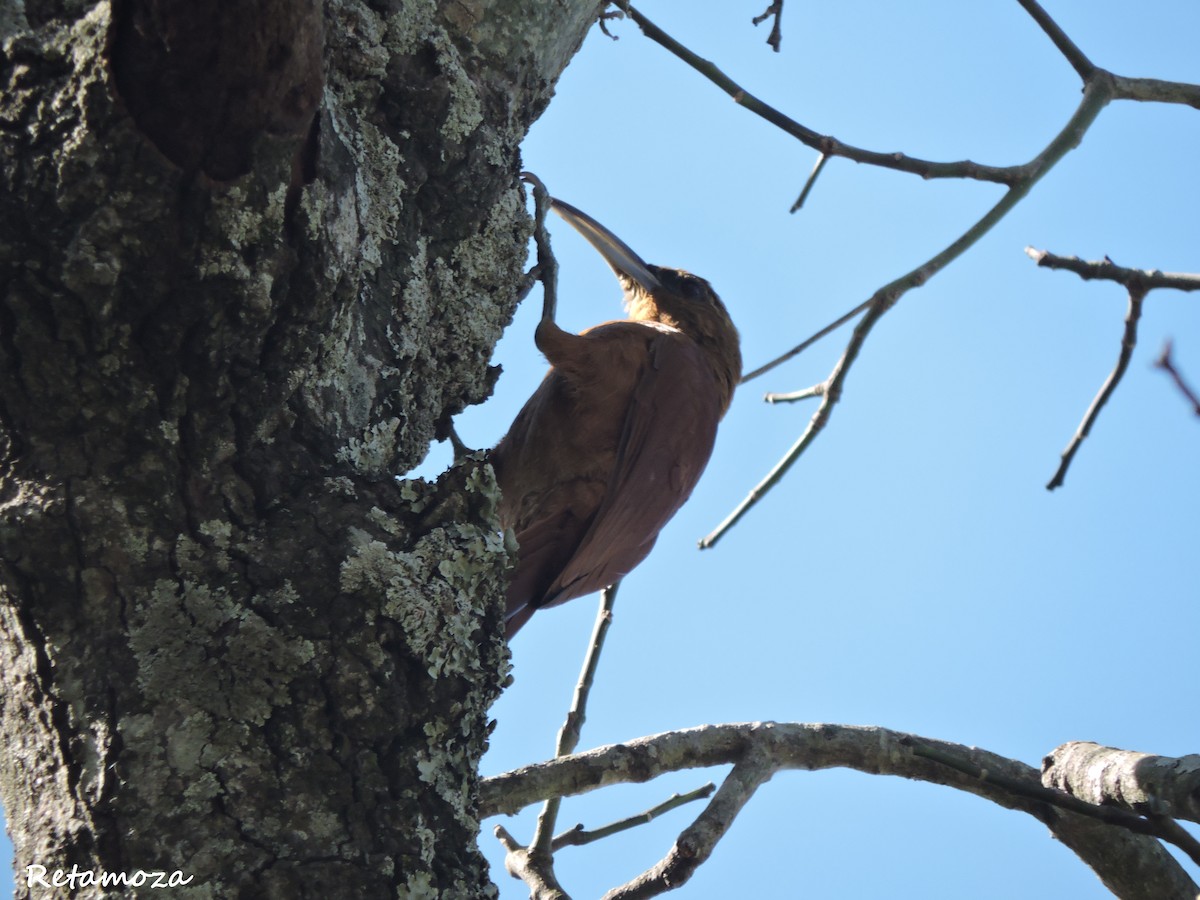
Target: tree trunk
[(253, 256)]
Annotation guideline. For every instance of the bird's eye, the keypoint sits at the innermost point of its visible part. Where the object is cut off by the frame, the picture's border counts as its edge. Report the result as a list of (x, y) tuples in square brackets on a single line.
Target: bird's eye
[(698, 290)]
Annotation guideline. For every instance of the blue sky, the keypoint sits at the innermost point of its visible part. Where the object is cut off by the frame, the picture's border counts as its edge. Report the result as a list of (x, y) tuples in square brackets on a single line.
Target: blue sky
[(911, 571)]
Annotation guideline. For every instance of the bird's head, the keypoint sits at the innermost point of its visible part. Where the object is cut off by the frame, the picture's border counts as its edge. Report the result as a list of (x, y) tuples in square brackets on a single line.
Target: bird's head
[(672, 297)]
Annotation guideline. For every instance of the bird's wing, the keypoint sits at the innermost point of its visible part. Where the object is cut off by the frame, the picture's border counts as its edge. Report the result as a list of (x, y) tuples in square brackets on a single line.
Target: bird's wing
[(668, 436), (545, 549)]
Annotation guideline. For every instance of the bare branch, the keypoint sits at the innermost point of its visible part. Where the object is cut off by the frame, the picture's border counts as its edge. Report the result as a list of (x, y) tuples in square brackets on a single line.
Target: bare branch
[(1155, 827), (697, 842), (1107, 270), (1153, 90), (1164, 362), (1095, 96), (880, 303), (1139, 782), (817, 390), (535, 864), (830, 146), (1079, 62), (579, 836), (568, 735), (1100, 87), (1138, 282), (807, 342), (521, 863), (1131, 865), (776, 10), (812, 179), (1128, 342)]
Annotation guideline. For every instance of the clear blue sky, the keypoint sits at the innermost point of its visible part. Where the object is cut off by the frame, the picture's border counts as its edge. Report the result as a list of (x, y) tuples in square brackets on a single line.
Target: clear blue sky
[(912, 571)]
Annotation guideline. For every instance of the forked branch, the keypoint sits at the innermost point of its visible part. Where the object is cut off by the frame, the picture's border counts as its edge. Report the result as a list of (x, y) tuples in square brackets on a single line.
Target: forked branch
[(1165, 363), (1131, 863), (1095, 96), (775, 11), (1100, 87), (1138, 282), (826, 144)]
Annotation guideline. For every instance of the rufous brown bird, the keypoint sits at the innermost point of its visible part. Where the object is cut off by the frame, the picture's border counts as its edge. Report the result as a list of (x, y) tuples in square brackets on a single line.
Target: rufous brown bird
[(614, 440)]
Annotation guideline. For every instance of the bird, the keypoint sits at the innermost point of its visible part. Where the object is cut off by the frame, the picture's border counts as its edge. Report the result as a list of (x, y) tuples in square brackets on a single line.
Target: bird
[(612, 442)]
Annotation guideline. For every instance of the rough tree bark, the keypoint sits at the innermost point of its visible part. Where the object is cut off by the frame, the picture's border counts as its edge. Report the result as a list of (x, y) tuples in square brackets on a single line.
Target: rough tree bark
[(252, 257)]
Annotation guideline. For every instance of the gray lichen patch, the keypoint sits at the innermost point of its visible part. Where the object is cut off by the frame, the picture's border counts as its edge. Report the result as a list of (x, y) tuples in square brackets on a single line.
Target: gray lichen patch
[(246, 223), (454, 298), (434, 591), (358, 213), (213, 382), (485, 265), (464, 112), (427, 310), (202, 651)]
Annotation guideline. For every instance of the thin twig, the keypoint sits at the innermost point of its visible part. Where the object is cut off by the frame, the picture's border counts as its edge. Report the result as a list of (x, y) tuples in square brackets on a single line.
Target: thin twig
[(578, 836), (817, 390), (1164, 362), (572, 728), (776, 10), (1128, 342), (876, 307), (826, 144), (534, 864), (1100, 87), (812, 179), (1138, 282), (1150, 90), (1076, 57), (1106, 270), (696, 843), (807, 342), (1096, 95), (568, 737)]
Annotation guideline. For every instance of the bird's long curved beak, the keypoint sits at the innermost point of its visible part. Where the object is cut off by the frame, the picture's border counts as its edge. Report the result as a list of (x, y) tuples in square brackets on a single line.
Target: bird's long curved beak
[(615, 251)]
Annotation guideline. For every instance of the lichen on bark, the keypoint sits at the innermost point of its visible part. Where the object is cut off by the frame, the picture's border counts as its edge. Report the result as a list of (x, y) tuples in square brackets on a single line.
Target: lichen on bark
[(233, 643)]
